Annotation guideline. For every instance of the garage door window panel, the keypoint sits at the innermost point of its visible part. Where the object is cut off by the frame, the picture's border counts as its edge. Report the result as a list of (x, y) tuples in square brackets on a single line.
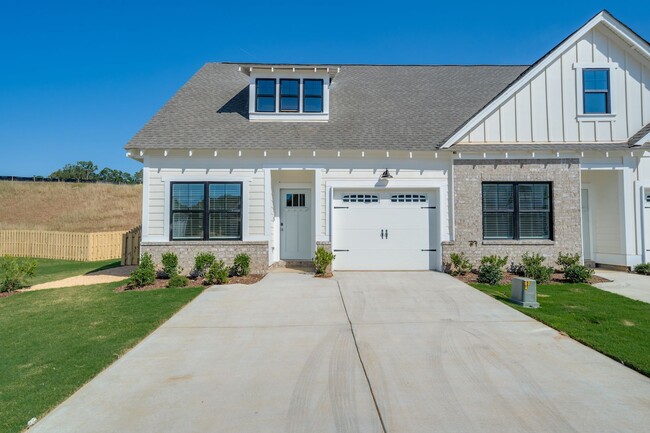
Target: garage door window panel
[(360, 198)]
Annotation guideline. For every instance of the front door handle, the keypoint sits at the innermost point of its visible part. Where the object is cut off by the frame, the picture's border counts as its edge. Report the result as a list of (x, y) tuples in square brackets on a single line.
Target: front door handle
[(382, 233)]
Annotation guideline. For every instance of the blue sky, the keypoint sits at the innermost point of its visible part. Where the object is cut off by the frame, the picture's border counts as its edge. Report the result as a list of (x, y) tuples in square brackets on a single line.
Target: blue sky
[(78, 79)]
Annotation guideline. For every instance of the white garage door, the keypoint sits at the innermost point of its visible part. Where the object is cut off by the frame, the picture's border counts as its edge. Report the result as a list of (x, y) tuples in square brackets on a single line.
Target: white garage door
[(385, 230)]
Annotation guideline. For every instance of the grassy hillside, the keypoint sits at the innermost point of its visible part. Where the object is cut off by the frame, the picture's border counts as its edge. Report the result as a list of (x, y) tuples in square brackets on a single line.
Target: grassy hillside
[(69, 207)]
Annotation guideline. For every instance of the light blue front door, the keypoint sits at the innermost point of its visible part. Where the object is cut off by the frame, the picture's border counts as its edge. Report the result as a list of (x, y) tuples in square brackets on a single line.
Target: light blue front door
[(295, 224)]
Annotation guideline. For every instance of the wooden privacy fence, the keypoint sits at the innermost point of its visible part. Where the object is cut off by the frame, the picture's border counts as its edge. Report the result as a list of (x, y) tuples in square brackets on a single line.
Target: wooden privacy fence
[(62, 245), (131, 246)]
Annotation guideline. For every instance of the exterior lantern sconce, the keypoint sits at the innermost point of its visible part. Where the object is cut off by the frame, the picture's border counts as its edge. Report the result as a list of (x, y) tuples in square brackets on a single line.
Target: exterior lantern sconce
[(385, 175)]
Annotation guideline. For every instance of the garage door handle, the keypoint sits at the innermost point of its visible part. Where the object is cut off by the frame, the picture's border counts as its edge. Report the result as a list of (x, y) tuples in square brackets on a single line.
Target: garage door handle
[(382, 233), (386, 233)]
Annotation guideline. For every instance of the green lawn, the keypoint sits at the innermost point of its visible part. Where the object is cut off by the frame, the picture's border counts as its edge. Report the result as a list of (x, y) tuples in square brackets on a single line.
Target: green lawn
[(614, 325), (52, 270), (54, 341)]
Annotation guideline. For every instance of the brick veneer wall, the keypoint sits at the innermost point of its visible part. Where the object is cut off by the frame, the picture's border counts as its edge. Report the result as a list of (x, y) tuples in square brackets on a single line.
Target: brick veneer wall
[(222, 250), (468, 177)]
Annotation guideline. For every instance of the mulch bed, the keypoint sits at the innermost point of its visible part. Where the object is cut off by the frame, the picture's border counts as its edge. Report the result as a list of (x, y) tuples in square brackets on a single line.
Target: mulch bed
[(557, 278), (6, 294), (325, 275), (161, 283)]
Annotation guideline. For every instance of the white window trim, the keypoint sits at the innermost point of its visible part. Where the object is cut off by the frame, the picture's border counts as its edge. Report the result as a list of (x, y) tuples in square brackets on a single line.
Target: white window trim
[(613, 92), (292, 116)]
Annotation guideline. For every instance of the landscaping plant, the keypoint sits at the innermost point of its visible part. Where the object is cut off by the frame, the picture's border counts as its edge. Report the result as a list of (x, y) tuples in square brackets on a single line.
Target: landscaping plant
[(565, 261), (491, 269), (170, 264), (14, 273), (460, 264), (643, 269), (322, 260), (203, 262), (241, 265), (578, 274), (144, 274), (532, 266), (178, 281), (217, 274)]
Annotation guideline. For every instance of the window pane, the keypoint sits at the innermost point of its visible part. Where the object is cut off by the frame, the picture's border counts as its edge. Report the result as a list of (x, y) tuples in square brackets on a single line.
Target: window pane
[(596, 103), (265, 87), (289, 103), (313, 104), (187, 225), (289, 200), (187, 196), (289, 87), (498, 226), (498, 196), (313, 87), (265, 103), (534, 225), (596, 79), (534, 197), (225, 225), (302, 200), (225, 197)]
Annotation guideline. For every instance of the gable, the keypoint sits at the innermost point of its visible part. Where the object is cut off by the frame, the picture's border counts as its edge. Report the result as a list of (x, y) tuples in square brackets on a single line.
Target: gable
[(546, 104)]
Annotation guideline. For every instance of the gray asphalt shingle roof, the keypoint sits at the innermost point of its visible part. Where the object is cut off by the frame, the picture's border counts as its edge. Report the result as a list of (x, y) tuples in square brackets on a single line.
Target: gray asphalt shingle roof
[(371, 107)]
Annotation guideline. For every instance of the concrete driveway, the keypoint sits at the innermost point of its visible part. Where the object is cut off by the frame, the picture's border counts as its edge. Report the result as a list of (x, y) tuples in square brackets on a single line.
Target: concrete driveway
[(428, 353)]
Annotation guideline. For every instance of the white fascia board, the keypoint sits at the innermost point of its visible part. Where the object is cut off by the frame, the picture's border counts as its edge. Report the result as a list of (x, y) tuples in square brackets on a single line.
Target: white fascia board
[(603, 17)]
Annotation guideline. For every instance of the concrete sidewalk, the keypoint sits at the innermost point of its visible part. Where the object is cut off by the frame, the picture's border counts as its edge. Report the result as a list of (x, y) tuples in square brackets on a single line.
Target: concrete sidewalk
[(633, 286), (428, 353)]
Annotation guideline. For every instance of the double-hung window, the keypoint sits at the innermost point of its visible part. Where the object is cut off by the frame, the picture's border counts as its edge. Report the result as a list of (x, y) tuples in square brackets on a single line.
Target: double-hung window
[(517, 210), (312, 99), (289, 95), (265, 95), (596, 89), (195, 218)]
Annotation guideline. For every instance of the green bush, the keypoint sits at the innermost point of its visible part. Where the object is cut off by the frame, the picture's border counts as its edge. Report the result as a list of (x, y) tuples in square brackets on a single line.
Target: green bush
[(178, 281), (494, 260), (460, 264), (532, 266), (241, 265), (643, 269), (144, 274), (202, 263), (578, 274), (170, 264), (565, 261), (14, 273), (217, 274), (490, 273), (322, 259)]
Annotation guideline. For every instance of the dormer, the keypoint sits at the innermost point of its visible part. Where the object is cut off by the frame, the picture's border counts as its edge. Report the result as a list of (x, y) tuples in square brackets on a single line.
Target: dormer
[(289, 93)]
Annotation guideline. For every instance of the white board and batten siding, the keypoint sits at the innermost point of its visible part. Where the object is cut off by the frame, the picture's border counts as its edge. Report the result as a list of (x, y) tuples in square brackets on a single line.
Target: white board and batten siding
[(157, 200), (548, 108)]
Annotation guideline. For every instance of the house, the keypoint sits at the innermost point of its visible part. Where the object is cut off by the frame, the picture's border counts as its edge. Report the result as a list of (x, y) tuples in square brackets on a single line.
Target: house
[(396, 167)]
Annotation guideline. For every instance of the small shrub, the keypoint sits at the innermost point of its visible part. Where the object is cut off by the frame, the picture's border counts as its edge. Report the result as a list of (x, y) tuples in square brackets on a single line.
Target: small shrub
[(217, 274), (241, 265), (202, 263), (643, 269), (491, 269), (144, 274), (460, 264), (14, 273), (170, 264), (532, 266), (178, 281), (494, 260), (322, 259), (565, 261), (578, 274)]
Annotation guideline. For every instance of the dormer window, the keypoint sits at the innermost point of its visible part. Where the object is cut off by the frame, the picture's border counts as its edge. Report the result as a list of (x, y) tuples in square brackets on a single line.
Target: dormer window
[(289, 95), (265, 95), (312, 96)]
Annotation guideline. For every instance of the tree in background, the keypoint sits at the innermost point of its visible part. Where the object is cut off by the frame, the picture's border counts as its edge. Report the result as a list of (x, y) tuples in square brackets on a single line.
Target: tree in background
[(87, 171)]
